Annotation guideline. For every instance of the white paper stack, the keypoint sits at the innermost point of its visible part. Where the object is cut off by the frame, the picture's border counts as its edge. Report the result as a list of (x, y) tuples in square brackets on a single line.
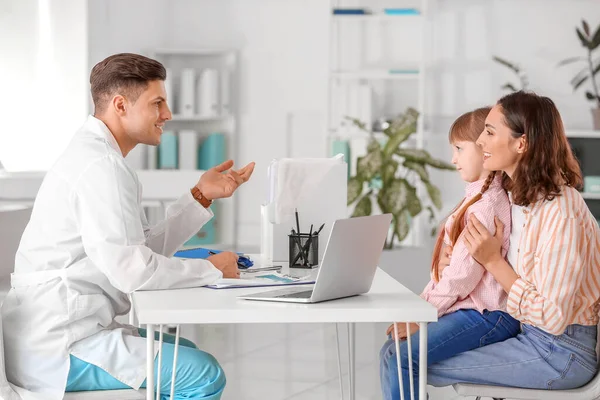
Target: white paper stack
[(208, 93), (186, 93), (188, 149)]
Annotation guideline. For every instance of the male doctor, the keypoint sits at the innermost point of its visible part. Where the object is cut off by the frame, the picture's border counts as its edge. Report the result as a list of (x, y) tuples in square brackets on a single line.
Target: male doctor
[(88, 245)]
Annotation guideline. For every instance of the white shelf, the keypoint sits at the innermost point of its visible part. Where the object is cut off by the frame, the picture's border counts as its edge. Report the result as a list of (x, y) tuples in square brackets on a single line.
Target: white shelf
[(376, 74), (193, 52), (200, 118), (583, 134), (378, 17), (591, 196)]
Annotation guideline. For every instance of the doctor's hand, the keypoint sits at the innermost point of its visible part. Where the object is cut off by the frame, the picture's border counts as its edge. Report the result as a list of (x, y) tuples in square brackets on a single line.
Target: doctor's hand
[(221, 181), (226, 262)]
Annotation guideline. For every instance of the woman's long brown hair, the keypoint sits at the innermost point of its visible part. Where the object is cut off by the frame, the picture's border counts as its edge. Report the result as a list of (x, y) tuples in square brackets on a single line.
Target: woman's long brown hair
[(466, 128), (548, 161)]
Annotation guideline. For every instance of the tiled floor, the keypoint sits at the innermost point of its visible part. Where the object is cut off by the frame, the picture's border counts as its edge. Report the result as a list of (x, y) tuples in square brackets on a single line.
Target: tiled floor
[(295, 362)]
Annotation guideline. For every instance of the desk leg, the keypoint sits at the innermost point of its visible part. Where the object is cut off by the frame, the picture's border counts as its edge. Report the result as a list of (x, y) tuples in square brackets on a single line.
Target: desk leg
[(423, 360), (351, 360), (339, 359), (149, 362)]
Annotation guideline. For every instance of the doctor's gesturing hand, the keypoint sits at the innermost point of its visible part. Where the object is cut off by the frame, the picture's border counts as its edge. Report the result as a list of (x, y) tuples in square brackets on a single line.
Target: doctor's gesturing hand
[(221, 181)]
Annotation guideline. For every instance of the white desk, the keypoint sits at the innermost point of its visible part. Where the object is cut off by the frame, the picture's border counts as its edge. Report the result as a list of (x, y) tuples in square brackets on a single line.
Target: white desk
[(387, 301)]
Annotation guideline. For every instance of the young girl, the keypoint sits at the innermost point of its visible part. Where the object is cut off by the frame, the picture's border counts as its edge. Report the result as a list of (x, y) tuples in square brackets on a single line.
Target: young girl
[(471, 304)]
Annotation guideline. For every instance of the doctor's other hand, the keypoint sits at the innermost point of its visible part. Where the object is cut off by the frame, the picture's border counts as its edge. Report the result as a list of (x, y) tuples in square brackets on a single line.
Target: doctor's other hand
[(226, 262), (221, 181)]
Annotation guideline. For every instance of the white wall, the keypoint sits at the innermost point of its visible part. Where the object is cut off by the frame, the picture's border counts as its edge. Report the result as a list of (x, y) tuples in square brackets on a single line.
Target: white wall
[(284, 63), (43, 47), (536, 34)]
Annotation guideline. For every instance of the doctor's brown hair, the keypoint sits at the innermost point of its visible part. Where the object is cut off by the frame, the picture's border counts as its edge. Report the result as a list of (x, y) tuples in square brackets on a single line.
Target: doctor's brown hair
[(466, 128), (548, 161), (126, 74)]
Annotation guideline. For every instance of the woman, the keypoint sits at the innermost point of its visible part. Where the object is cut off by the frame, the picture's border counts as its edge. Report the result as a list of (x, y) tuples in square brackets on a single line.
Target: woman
[(552, 275), (471, 304)]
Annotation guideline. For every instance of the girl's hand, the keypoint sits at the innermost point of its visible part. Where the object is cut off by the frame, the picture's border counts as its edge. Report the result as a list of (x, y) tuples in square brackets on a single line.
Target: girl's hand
[(402, 334)]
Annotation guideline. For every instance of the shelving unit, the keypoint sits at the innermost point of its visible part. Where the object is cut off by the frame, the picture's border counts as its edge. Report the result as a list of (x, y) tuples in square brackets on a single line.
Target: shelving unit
[(163, 186), (378, 78), (582, 134)]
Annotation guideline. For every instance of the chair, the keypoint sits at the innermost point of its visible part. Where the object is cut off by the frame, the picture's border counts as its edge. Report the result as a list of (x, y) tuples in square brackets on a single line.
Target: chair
[(591, 391), (13, 220)]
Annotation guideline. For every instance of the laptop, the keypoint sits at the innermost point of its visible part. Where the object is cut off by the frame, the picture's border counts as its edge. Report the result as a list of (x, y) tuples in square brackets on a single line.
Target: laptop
[(348, 266)]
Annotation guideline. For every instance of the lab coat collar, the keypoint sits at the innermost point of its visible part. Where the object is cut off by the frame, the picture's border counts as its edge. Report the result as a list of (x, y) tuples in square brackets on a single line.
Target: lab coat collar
[(98, 127)]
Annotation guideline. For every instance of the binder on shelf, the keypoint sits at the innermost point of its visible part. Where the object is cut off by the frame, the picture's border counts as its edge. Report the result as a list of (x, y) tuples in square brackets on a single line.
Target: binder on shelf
[(212, 151), (208, 233), (341, 146), (208, 93), (188, 149), (167, 151), (186, 92)]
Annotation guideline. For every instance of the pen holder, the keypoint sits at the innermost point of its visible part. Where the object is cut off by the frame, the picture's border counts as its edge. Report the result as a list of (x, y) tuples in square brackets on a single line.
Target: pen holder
[(304, 250)]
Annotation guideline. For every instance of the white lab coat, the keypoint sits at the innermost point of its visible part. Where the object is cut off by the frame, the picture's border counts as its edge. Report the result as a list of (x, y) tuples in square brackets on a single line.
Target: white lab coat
[(86, 247)]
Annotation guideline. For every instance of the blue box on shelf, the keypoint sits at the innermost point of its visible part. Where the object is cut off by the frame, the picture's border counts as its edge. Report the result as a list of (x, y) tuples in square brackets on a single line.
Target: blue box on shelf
[(401, 11), (350, 11)]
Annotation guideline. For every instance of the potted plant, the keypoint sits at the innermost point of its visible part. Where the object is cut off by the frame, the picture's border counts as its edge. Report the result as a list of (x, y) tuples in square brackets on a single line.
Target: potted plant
[(592, 66), (386, 175)]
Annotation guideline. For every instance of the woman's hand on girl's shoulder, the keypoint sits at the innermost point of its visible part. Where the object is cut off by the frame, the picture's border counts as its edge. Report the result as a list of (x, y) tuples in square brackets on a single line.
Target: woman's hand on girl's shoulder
[(484, 247)]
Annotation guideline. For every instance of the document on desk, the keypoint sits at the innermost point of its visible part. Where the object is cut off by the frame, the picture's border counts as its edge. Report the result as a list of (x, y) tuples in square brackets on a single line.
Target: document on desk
[(267, 279)]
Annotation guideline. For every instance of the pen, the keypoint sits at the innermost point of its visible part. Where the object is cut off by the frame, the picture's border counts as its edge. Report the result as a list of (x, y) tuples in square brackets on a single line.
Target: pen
[(273, 268), (297, 240), (319, 230), (297, 222)]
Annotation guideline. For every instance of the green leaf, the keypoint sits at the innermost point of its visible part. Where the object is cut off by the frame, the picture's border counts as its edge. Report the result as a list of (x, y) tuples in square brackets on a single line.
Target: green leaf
[(431, 214), (401, 225), (358, 123), (373, 146), (506, 63), (570, 61), (423, 157), (435, 195), (399, 130), (355, 188), (363, 208), (388, 170), (510, 86), (595, 39), (419, 168), (579, 83), (413, 204), (393, 197), (368, 166), (586, 27), (582, 38)]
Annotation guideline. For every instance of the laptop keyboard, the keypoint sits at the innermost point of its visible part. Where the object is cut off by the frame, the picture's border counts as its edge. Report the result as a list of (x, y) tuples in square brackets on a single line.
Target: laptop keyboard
[(298, 295)]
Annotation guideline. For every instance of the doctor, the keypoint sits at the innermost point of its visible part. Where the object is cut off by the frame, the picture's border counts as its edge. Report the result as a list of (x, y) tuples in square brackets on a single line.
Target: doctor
[(88, 245)]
